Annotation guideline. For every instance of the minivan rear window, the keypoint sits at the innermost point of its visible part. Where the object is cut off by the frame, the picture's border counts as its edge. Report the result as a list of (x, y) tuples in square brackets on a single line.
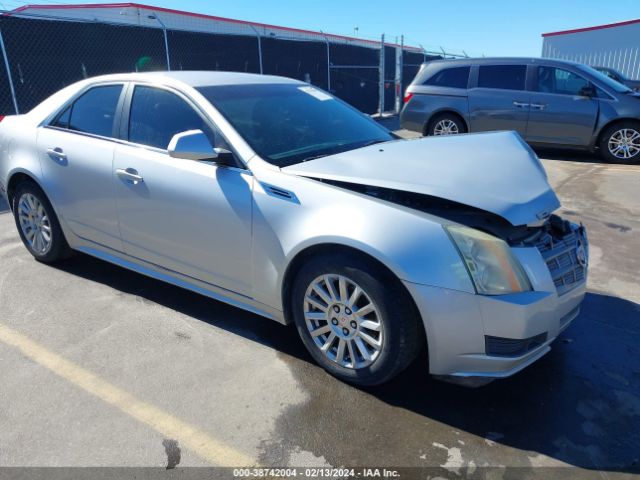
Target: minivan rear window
[(506, 77), (455, 77)]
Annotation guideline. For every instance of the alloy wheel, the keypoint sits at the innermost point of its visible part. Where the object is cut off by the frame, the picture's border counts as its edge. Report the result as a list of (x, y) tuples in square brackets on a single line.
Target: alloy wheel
[(343, 321), (34, 223), (624, 143), (446, 127)]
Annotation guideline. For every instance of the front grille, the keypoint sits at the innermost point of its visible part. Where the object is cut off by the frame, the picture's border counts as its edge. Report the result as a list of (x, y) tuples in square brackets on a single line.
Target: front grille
[(512, 347), (561, 256)]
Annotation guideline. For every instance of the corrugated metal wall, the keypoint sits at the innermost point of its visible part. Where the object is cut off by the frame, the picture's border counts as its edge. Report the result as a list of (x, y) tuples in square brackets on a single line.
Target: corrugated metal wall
[(615, 47)]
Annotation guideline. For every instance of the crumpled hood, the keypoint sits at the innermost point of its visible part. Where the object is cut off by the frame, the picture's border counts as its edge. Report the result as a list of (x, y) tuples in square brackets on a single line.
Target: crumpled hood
[(496, 172)]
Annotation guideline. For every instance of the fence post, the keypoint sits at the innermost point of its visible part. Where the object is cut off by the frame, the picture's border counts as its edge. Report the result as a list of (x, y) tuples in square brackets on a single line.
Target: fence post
[(6, 64), (381, 79), (259, 46), (328, 63), (399, 67), (166, 40)]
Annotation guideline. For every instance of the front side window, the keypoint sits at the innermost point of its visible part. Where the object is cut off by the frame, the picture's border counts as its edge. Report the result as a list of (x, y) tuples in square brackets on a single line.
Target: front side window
[(156, 115), (291, 123), (93, 112), (456, 77), (505, 77), (558, 80)]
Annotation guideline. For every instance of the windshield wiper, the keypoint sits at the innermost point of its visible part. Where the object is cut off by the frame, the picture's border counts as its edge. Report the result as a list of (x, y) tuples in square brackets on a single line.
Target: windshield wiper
[(338, 149), (372, 142)]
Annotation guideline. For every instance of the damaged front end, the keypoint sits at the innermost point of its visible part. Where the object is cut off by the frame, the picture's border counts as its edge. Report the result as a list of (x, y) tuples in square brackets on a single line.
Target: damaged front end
[(562, 244)]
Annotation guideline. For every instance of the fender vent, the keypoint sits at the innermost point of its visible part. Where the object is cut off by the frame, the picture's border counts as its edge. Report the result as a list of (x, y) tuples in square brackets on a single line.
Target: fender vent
[(278, 192)]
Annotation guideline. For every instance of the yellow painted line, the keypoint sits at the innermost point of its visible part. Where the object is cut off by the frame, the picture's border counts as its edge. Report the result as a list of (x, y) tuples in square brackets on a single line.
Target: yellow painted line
[(162, 422)]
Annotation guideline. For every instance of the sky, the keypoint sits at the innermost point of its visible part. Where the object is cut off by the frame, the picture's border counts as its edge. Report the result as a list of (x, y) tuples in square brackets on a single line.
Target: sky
[(480, 27)]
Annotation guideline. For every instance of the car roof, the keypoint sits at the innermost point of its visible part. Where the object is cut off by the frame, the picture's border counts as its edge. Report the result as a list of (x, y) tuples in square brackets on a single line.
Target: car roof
[(503, 60), (196, 78)]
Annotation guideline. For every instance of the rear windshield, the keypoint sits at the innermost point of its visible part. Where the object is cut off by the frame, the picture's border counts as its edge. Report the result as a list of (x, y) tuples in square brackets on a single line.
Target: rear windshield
[(292, 123)]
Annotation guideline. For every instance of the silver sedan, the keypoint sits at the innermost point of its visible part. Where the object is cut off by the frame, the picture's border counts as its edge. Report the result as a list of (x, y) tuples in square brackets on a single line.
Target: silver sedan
[(274, 196)]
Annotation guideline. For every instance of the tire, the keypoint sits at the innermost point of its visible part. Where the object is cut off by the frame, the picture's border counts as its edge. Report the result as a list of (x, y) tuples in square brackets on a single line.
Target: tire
[(399, 335), (446, 124), (36, 222), (620, 143)]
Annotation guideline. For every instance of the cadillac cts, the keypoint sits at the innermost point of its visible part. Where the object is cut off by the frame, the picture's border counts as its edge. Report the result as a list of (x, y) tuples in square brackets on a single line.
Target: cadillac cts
[(274, 196)]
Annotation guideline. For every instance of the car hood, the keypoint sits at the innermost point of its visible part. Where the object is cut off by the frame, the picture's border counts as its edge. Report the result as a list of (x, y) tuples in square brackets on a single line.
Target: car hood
[(496, 172), (633, 84)]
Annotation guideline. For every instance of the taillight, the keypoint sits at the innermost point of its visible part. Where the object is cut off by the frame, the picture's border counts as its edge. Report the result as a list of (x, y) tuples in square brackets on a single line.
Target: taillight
[(408, 96), (1, 117)]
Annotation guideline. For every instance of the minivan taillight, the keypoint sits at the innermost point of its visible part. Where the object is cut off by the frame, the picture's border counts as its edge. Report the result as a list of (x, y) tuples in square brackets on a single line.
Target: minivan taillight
[(407, 97)]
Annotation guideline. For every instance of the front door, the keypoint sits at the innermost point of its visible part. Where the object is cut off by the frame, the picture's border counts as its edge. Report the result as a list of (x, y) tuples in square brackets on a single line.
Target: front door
[(190, 217), (560, 112), (76, 151)]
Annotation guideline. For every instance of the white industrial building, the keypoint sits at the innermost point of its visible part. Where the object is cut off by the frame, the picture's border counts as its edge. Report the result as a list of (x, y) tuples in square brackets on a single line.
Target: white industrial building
[(615, 45)]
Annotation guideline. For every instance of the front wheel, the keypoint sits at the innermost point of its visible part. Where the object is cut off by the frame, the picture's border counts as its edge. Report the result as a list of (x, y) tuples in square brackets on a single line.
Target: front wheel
[(38, 225), (620, 143), (357, 322)]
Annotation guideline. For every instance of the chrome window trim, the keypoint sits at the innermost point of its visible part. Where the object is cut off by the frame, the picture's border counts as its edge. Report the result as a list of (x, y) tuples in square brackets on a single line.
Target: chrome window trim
[(84, 134)]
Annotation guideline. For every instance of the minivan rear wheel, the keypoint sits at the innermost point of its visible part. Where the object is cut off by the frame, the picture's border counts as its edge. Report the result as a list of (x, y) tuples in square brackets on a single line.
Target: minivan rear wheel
[(620, 143), (446, 124)]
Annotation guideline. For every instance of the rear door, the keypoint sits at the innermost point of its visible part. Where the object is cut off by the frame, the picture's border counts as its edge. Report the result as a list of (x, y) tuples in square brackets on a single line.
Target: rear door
[(498, 100), (560, 112), (76, 150)]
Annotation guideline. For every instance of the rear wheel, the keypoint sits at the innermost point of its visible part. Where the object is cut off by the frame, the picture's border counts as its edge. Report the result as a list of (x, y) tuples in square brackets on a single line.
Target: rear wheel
[(357, 323), (446, 124), (38, 225), (620, 143)]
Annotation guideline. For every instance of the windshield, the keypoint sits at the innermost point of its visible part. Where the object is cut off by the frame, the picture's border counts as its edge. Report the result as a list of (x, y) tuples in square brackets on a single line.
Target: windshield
[(609, 82), (292, 123)]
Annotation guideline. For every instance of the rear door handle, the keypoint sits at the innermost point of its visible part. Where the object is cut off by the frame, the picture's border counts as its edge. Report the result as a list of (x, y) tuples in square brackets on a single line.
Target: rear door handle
[(539, 106), (129, 174), (520, 104), (57, 152)]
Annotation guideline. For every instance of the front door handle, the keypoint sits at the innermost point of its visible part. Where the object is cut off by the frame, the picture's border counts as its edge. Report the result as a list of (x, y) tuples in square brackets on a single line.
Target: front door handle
[(57, 152), (539, 106), (520, 104), (130, 175)]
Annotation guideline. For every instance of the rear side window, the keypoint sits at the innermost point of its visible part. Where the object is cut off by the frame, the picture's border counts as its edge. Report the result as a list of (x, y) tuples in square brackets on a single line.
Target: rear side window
[(558, 80), (93, 112), (157, 115), (506, 77), (456, 77)]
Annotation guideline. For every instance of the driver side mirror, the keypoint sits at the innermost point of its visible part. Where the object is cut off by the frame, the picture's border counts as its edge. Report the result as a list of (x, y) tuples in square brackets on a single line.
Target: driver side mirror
[(588, 91), (195, 145)]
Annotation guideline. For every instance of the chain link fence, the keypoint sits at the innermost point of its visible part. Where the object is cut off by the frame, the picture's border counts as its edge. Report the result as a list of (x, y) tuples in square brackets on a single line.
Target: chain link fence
[(44, 52)]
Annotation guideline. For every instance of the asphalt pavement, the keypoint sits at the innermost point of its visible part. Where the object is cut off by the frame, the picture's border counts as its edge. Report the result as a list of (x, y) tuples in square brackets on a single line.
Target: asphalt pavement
[(103, 367)]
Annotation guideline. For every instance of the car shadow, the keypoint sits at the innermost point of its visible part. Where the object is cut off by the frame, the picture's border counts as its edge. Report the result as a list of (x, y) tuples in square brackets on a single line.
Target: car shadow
[(568, 155), (4, 207), (580, 404)]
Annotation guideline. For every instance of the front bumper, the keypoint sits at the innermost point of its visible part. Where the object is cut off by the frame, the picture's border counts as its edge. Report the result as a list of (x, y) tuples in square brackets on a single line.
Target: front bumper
[(458, 323)]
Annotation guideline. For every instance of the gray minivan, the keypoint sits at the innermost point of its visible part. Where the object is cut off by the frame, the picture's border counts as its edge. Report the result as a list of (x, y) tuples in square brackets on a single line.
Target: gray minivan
[(548, 102)]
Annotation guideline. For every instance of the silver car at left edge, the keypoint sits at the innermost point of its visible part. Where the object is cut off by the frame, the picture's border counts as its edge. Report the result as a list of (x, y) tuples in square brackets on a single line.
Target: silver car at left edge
[(274, 196)]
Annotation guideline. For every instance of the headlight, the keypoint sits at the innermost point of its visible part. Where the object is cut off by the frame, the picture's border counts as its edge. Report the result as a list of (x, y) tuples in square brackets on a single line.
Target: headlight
[(491, 265)]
